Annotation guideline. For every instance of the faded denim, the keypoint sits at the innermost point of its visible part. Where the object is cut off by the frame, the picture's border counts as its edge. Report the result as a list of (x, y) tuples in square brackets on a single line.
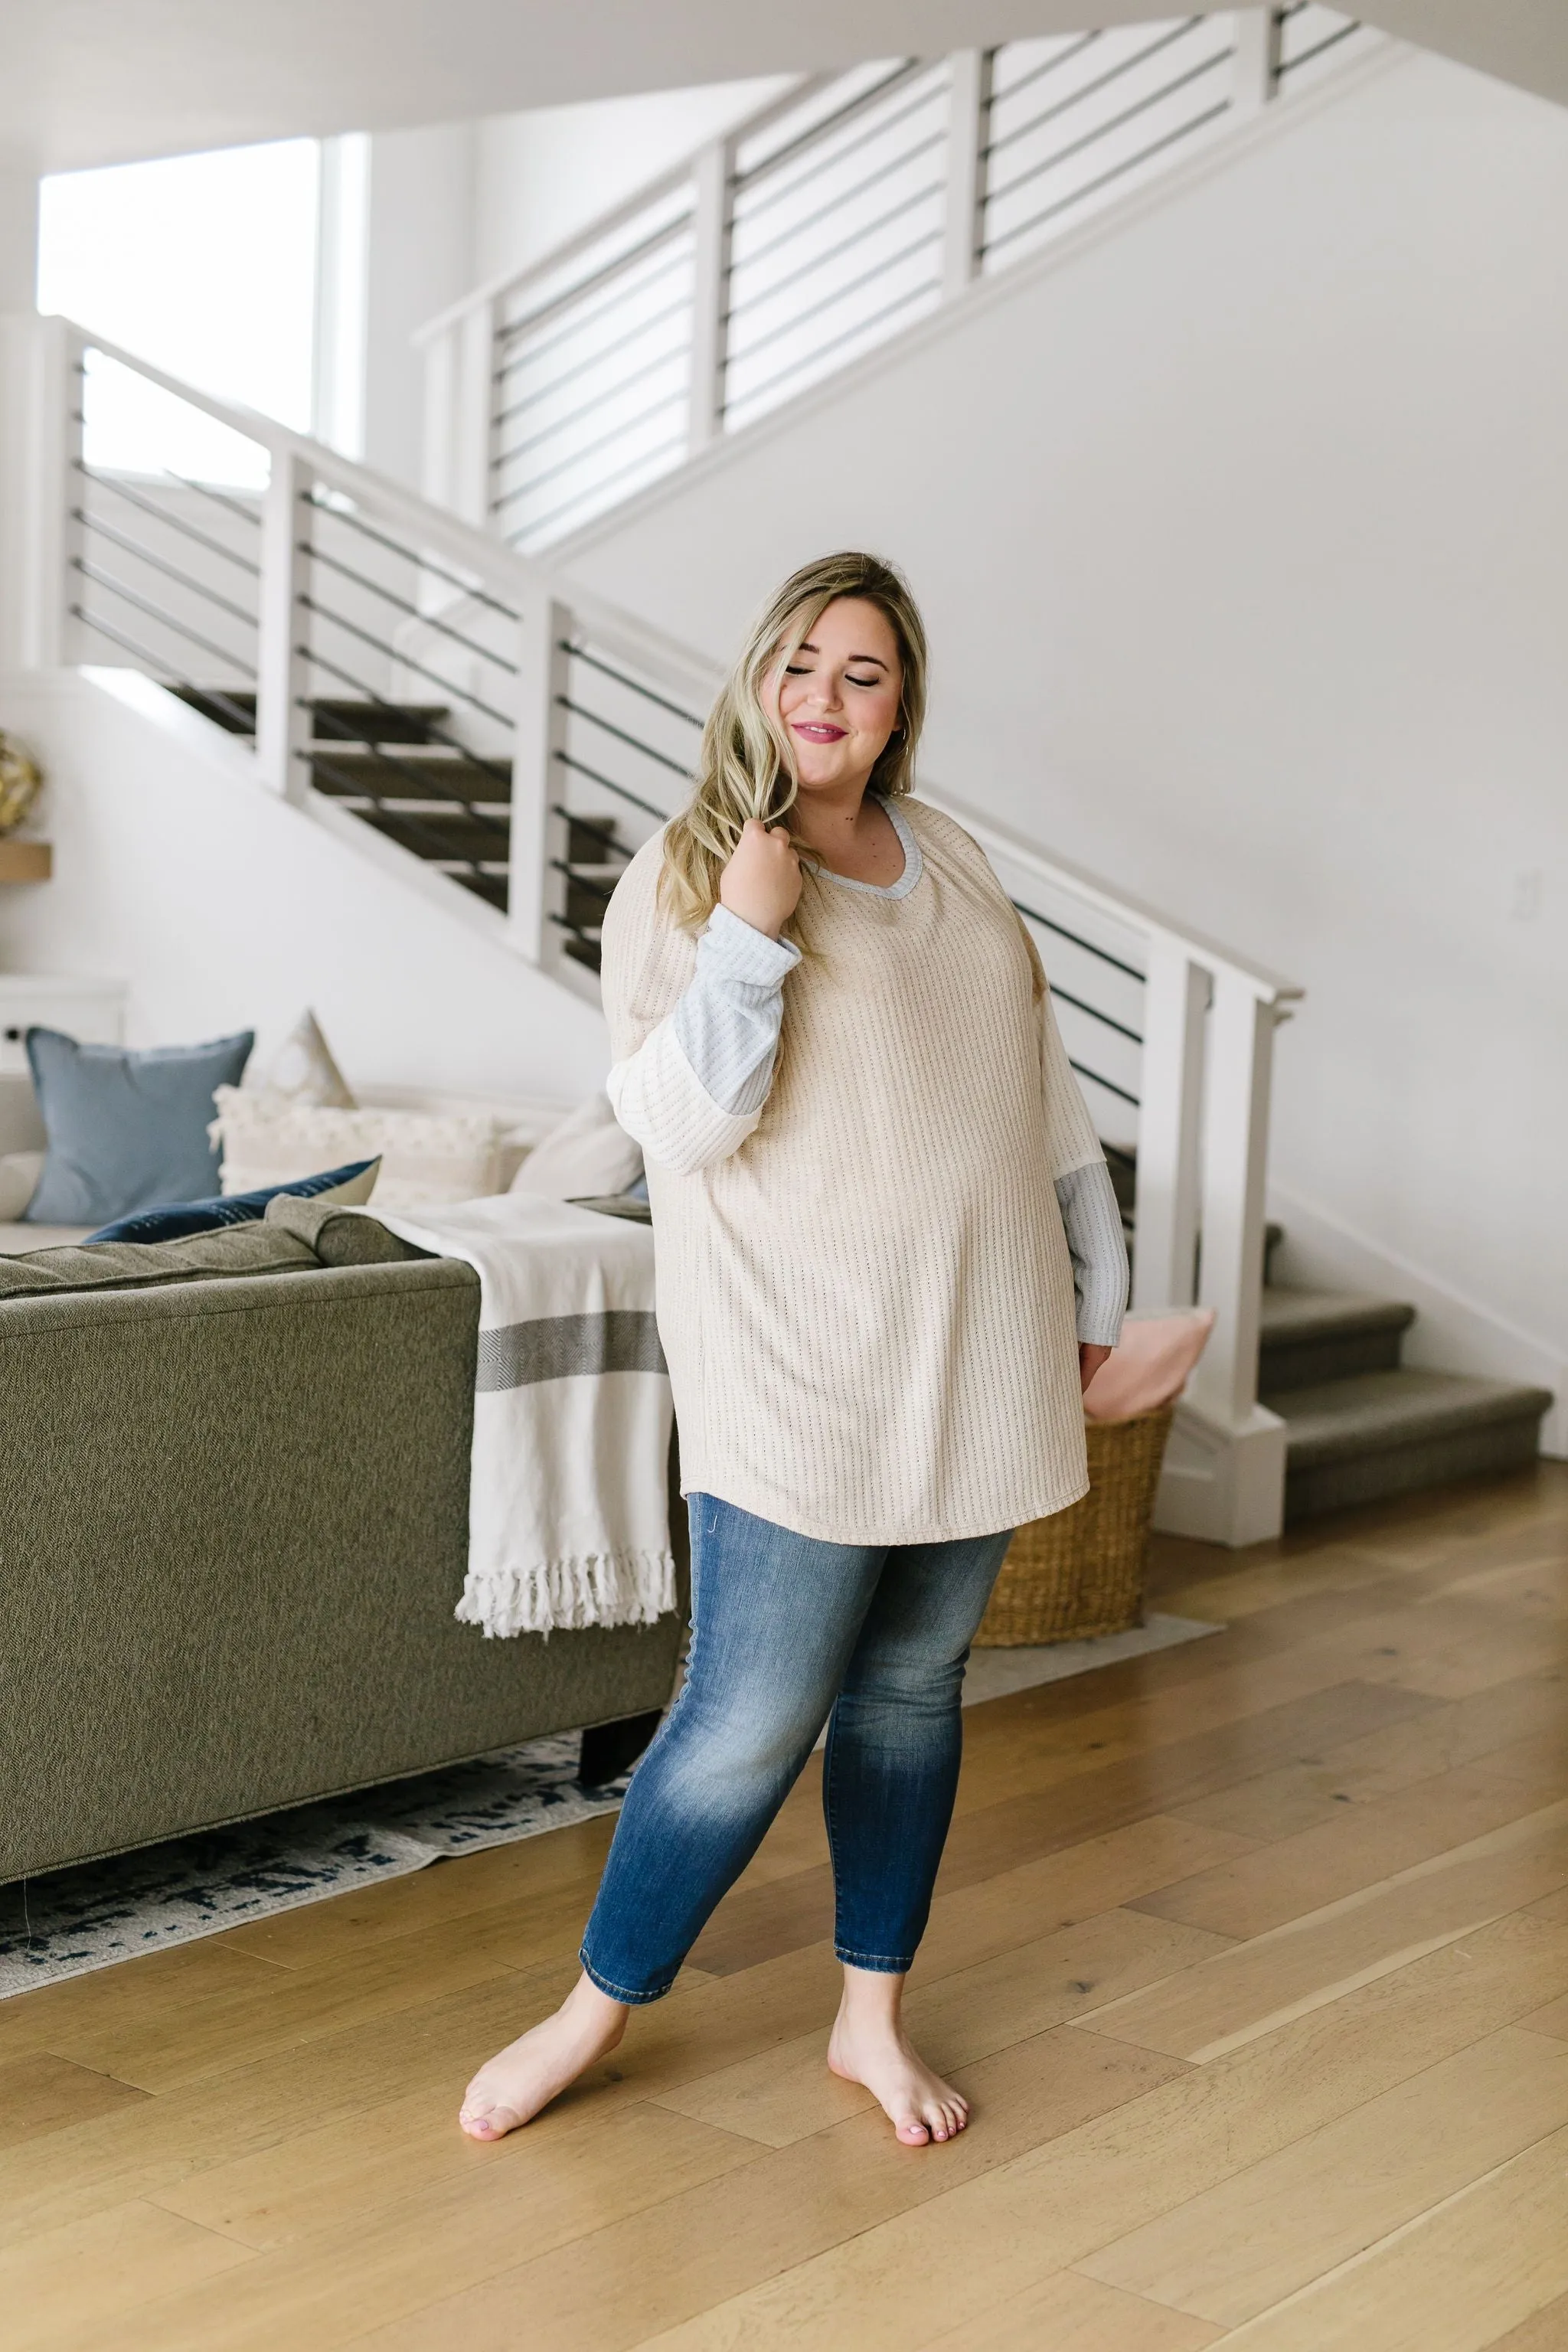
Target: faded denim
[(789, 1634)]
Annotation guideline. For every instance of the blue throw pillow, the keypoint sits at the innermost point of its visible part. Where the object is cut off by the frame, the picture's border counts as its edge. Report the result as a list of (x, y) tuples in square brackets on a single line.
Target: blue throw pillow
[(176, 1220), (126, 1129)]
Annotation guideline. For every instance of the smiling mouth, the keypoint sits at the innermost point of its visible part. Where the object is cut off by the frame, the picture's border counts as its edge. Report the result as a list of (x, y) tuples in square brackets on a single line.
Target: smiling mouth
[(815, 732)]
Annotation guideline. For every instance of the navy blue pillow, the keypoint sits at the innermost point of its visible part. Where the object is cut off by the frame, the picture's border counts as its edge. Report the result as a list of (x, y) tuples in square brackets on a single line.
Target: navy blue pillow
[(126, 1129), (181, 1217)]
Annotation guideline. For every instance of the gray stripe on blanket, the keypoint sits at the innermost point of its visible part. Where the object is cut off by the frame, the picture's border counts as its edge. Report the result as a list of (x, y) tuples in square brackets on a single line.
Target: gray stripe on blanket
[(554, 1346)]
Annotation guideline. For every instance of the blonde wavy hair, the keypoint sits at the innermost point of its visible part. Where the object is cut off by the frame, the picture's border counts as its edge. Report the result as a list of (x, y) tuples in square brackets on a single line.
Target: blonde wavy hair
[(747, 765)]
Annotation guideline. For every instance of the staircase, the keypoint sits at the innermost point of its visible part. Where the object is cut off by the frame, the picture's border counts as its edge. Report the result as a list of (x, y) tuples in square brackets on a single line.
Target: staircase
[(1359, 1425), (399, 767), (387, 669)]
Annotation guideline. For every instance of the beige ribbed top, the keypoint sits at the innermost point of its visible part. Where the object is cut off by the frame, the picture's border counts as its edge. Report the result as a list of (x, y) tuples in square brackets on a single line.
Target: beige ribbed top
[(868, 1305)]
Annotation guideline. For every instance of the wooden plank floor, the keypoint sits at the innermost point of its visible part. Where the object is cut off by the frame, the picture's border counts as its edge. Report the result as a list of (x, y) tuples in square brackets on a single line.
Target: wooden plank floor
[(1252, 1956)]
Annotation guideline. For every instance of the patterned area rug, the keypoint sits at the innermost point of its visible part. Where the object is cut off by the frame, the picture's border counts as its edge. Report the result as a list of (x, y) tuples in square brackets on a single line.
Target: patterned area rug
[(74, 1920)]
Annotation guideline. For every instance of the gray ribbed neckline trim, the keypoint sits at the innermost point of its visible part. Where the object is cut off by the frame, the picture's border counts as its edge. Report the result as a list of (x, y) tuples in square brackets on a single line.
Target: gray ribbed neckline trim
[(912, 862)]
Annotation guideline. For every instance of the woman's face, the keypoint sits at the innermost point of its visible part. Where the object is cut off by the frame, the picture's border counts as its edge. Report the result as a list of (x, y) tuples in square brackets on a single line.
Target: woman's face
[(838, 698)]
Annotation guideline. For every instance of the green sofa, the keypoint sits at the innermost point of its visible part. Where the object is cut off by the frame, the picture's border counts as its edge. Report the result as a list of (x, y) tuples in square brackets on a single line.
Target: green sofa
[(232, 1526)]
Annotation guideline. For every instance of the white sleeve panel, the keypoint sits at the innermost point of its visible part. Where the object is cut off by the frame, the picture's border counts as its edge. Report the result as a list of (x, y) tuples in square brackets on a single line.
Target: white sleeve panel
[(1072, 1140), (1092, 1221), (658, 1099)]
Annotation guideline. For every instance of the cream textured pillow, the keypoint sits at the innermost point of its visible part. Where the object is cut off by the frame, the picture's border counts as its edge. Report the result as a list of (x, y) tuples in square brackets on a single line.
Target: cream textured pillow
[(425, 1157), (303, 1071), (19, 1175), (583, 1158)]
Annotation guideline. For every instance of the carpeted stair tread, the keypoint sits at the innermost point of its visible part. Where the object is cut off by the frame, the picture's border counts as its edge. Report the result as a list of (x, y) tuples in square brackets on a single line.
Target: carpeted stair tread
[(1309, 1338), (1372, 1413), (1289, 1313)]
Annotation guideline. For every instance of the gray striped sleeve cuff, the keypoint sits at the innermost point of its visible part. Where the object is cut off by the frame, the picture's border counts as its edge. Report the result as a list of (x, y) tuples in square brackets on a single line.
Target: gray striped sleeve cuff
[(1092, 1219), (728, 1022)]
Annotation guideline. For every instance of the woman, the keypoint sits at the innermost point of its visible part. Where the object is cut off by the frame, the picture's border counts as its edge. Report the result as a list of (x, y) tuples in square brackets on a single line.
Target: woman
[(869, 1235)]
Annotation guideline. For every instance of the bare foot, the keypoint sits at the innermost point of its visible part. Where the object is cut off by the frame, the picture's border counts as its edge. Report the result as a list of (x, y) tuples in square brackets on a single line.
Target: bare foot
[(874, 2051), (531, 2072)]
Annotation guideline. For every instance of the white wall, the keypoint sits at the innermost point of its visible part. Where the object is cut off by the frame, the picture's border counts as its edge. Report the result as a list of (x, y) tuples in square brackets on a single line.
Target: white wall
[(542, 175), (1243, 536), (421, 257), (224, 908)]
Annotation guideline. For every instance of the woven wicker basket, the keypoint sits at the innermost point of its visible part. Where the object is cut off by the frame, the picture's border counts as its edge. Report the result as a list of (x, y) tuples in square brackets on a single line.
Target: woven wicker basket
[(1081, 1571)]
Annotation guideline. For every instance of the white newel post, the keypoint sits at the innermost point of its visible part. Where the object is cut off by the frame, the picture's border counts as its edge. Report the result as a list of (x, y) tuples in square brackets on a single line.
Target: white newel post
[(1176, 999), (538, 834), (1246, 1486), (472, 438), (712, 218), (440, 418), (282, 669), (43, 486), (1255, 63), (968, 98)]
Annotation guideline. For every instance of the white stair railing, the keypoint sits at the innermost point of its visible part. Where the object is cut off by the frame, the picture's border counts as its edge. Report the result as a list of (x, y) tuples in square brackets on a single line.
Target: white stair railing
[(408, 680), (822, 225)]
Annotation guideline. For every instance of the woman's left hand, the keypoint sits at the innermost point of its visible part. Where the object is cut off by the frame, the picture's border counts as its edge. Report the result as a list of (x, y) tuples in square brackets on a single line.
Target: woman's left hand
[(1089, 1359)]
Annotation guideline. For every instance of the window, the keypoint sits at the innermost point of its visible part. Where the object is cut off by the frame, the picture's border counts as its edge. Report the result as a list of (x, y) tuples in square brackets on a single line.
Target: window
[(205, 266)]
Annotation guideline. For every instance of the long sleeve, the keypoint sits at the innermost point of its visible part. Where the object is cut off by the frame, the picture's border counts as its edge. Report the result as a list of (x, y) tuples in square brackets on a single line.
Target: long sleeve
[(695, 1088), (1092, 1219)]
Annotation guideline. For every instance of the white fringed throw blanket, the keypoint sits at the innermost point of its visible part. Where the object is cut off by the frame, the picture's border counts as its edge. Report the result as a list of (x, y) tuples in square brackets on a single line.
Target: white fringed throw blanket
[(568, 1505)]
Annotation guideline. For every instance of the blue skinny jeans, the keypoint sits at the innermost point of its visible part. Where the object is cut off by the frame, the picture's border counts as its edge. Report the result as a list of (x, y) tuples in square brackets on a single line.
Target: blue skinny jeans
[(788, 1633)]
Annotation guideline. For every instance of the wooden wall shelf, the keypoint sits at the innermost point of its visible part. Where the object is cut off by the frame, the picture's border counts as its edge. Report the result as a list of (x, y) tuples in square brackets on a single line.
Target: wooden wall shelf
[(26, 861)]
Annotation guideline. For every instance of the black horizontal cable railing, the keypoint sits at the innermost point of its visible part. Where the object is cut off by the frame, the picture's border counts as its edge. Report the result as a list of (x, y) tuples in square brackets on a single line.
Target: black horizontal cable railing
[(436, 846), (144, 554), (87, 570), (1109, 178), (578, 320), (428, 566), (634, 685), (596, 718), (534, 524), (582, 408), (403, 768), (1100, 131), (608, 783), (1053, 64), (1081, 1004), (797, 229), (595, 851), (821, 261), (1086, 90), (820, 130), (862, 328), (402, 604), (157, 666), (1292, 61), (405, 659), (589, 449), (862, 134), (120, 488), (615, 353), (595, 362), (616, 267)]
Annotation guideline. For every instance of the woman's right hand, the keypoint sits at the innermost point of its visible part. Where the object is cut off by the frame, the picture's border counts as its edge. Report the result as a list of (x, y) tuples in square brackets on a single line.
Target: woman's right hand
[(761, 882)]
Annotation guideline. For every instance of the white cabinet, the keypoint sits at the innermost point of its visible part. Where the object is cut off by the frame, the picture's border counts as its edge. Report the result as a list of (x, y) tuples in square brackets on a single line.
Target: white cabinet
[(90, 1010)]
